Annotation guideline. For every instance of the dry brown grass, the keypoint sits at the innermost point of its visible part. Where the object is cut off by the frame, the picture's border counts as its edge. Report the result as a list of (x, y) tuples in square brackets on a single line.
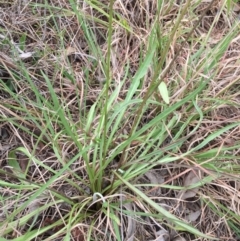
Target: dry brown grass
[(59, 46)]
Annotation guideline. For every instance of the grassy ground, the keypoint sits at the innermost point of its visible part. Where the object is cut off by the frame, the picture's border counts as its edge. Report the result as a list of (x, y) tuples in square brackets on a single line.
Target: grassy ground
[(119, 120)]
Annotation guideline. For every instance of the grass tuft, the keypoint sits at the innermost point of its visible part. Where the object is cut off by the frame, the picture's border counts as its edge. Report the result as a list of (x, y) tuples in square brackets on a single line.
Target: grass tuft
[(119, 120)]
